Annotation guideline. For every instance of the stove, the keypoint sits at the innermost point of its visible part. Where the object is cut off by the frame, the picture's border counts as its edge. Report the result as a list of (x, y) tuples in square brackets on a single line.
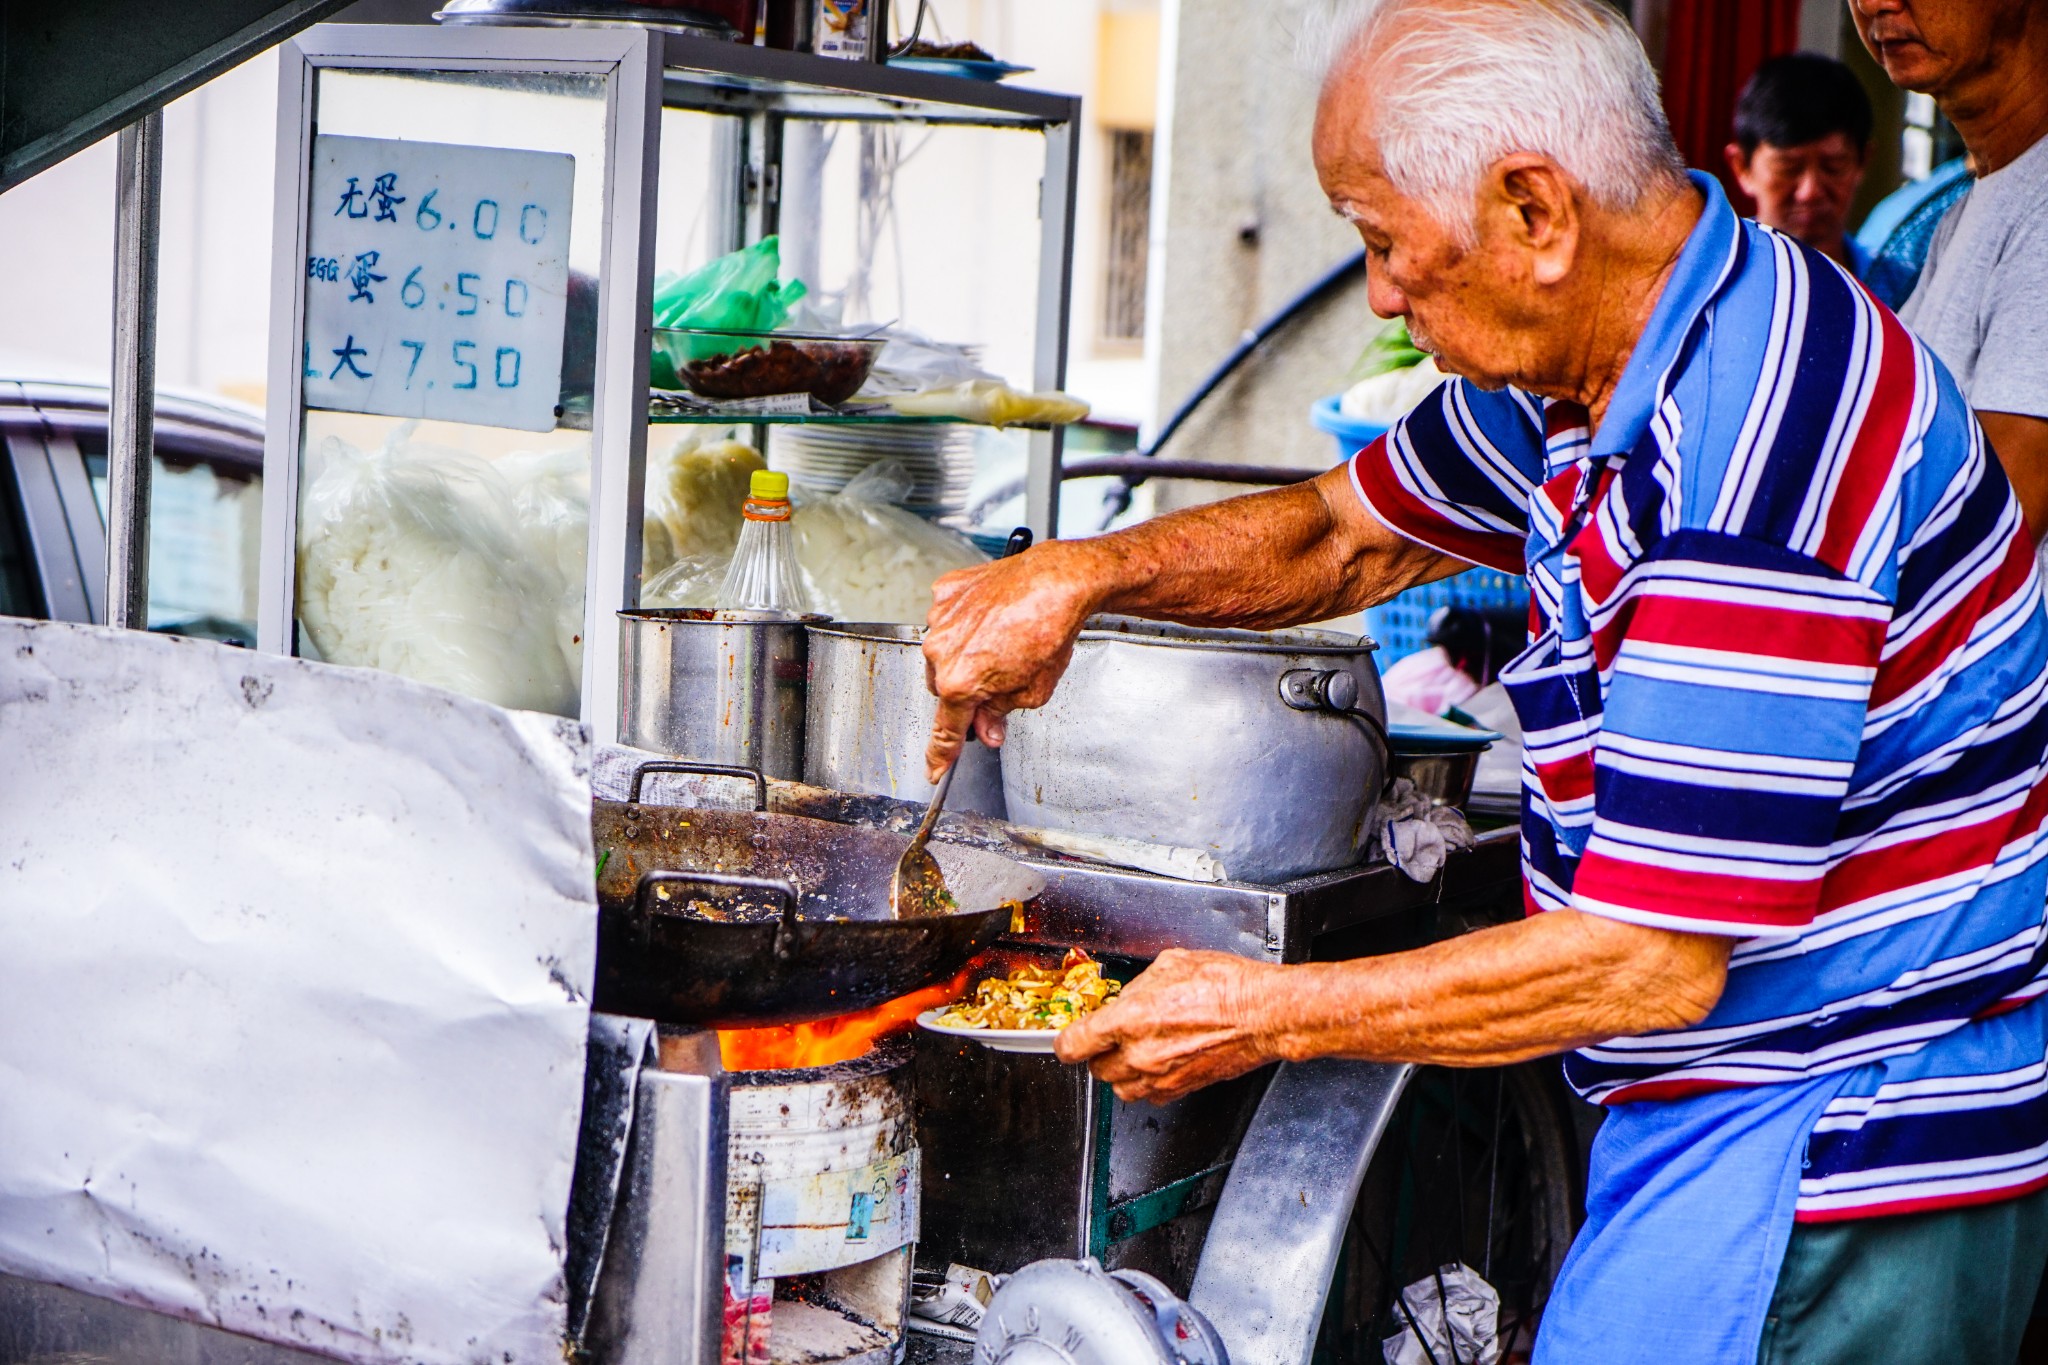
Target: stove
[(822, 1205)]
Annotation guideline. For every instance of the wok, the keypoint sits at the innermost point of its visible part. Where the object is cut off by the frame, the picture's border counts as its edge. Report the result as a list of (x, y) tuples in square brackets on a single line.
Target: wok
[(737, 919)]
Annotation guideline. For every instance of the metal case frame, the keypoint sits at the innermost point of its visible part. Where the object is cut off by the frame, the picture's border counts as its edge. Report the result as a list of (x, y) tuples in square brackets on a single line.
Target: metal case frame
[(644, 71)]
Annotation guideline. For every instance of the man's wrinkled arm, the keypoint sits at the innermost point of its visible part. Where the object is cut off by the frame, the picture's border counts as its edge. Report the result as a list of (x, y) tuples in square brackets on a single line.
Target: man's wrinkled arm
[(1559, 980), (1306, 552), (1556, 981)]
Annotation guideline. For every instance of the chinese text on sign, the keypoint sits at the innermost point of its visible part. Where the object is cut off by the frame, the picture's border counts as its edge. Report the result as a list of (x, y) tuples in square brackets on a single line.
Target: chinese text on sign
[(437, 280)]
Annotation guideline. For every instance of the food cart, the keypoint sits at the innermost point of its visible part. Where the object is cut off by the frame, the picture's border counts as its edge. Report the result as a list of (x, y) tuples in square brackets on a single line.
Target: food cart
[(470, 221)]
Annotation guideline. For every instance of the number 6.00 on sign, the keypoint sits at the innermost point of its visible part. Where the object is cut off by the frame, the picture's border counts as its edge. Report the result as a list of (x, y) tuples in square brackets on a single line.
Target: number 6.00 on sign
[(437, 280)]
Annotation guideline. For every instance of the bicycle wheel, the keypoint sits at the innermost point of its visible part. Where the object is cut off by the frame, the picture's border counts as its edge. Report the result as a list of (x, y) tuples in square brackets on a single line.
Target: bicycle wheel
[(1482, 1167)]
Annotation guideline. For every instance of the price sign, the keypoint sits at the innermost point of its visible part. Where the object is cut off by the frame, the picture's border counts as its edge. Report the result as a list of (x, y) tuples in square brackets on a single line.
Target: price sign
[(437, 280)]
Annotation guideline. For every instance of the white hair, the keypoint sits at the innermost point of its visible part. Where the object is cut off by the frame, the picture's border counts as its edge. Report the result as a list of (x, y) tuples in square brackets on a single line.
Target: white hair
[(1459, 84)]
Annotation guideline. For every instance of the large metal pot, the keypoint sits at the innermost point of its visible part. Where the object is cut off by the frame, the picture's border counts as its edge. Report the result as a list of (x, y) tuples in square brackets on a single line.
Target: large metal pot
[(1267, 749), (870, 714), (721, 686)]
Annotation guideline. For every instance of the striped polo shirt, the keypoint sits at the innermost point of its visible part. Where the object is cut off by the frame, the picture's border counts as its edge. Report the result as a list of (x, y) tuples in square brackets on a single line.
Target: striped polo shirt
[(1787, 685)]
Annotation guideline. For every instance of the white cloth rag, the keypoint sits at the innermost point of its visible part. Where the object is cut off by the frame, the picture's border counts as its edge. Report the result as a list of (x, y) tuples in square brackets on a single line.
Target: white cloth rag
[(1416, 834)]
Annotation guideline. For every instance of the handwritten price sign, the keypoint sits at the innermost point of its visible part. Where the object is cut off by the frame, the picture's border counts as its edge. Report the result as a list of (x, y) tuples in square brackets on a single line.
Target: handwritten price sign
[(437, 281)]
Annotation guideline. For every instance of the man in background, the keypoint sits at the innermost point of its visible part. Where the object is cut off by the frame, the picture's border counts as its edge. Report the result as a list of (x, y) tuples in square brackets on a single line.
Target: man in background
[(1979, 301), (1802, 136)]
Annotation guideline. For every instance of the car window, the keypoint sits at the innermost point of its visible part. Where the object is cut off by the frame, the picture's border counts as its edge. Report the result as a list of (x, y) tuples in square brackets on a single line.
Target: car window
[(19, 591), (205, 527)]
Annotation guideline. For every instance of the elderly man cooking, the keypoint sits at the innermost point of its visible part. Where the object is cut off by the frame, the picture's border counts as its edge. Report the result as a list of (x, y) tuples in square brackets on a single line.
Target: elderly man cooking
[(1788, 757)]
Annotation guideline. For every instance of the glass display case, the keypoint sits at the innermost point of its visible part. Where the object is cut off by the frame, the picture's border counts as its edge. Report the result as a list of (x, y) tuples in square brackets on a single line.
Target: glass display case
[(472, 225)]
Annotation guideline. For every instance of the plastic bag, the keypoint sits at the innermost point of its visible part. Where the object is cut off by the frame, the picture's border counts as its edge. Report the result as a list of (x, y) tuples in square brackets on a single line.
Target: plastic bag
[(739, 292), (691, 581), (693, 502), (413, 559), (866, 560), (991, 402), (1450, 1315), (911, 363), (862, 559), (1388, 397), (551, 499)]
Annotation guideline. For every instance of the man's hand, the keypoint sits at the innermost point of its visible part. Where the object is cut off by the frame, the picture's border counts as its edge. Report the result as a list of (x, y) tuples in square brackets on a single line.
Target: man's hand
[(1187, 1021), (999, 636), (1493, 997)]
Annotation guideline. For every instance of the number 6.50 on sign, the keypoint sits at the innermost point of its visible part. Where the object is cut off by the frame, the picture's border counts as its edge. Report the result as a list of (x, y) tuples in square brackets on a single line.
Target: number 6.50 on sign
[(437, 280)]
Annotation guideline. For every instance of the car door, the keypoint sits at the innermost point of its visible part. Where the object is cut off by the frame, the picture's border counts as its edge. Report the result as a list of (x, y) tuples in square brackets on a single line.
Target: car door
[(53, 548)]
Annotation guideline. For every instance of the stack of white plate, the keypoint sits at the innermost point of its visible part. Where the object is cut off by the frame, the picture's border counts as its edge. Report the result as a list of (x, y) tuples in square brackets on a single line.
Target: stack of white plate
[(939, 459)]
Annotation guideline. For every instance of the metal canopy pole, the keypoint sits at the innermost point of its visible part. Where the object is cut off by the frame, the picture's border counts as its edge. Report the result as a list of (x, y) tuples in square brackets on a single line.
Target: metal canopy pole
[(131, 415)]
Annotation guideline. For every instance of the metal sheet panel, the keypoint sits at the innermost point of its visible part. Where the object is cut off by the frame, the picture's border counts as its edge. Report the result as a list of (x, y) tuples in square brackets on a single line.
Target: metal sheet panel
[(79, 70), (295, 964)]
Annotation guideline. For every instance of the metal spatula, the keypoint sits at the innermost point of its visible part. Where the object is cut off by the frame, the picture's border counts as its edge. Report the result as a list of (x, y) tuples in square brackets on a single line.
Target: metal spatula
[(917, 887)]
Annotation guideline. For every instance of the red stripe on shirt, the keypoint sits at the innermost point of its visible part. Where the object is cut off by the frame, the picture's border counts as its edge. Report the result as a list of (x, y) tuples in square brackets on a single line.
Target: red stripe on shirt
[(1874, 454), (1735, 902), (1939, 642), (1885, 1208), (1408, 514), (1892, 868), (1813, 635)]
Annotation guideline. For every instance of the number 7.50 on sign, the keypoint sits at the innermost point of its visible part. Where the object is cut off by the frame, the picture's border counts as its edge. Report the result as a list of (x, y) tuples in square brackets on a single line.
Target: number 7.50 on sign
[(437, 280)]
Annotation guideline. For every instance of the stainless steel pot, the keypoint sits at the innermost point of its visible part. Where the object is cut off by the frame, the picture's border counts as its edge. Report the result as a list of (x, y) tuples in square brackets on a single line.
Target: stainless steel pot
[(1267, 749), (870, 714), (721, 686)]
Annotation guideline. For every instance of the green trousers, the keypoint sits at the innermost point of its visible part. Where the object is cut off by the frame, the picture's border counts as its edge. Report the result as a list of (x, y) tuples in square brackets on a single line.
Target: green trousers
[(1952, 1288)]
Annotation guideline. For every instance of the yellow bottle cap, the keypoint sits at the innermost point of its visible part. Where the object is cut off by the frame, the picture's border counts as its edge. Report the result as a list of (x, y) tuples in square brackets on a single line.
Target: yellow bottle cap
[(768, 483)]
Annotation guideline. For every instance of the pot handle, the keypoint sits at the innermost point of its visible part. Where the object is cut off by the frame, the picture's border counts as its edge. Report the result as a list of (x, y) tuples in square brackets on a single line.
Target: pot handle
[(1334, 691), (783, 890), (690, 766)]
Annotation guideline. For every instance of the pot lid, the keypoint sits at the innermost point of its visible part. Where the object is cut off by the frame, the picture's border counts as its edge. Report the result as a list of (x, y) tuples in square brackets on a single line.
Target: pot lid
[(1132, 630)]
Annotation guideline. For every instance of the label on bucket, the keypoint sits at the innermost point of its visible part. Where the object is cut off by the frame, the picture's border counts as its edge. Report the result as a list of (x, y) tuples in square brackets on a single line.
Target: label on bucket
[(838, 1218)]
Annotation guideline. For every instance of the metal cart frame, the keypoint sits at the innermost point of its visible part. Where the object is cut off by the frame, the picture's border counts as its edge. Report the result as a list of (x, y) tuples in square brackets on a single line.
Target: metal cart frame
[(644, 72)]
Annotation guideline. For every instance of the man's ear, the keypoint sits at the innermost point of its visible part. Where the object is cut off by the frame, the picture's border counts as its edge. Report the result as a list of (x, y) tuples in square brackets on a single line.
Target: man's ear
[(1738, 160), (1535, 201)]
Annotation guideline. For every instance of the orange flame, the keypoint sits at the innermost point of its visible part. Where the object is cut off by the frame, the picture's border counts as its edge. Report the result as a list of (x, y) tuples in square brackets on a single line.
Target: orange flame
[(839, 1039)]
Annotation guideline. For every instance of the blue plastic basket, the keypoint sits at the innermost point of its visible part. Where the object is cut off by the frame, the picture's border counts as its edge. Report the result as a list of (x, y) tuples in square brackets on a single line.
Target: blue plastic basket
[(1402, 625), (1352, 435)]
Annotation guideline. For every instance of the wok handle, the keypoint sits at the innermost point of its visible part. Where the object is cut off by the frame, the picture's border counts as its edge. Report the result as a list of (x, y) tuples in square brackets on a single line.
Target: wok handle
[(693, 768), (784, 891)]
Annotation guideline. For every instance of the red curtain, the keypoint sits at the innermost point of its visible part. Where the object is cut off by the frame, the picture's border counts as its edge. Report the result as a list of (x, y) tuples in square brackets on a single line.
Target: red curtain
[(1711, 48)]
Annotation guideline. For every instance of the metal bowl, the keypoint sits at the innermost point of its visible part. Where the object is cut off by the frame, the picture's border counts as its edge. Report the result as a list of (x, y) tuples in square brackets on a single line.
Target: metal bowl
[(1445, 778)]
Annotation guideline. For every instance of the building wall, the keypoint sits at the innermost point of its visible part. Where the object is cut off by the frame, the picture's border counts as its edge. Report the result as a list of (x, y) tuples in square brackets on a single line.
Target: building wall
[(57, 236), (1240, 226)]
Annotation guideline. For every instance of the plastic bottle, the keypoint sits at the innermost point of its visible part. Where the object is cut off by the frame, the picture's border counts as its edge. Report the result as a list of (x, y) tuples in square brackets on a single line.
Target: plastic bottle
[(763, 575)]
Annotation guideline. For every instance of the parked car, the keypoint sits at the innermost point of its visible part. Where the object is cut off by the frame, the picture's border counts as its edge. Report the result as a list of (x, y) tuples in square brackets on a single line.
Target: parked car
[(205, 516)]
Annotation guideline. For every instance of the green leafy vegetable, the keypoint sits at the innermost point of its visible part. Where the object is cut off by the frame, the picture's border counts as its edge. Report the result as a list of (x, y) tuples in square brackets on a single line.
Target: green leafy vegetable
[(1390, 349)]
